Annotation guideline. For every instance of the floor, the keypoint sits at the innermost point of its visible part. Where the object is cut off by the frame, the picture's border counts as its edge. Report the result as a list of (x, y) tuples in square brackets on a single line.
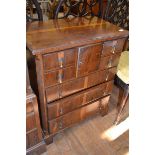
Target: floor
[(95, 136)]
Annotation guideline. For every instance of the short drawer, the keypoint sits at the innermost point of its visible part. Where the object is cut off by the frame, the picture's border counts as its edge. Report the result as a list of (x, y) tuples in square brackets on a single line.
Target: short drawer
[(112, 47), (70, 103), (78, 115), (59, 76), (32, 138), (60, 59), (30, 121), (109, 61)]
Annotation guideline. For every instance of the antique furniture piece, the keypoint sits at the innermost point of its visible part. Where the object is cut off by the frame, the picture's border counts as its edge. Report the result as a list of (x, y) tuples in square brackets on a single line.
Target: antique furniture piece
[(30, 4), (76, 62), (117, 12), (122, 80), (78, 8), (34, 139)]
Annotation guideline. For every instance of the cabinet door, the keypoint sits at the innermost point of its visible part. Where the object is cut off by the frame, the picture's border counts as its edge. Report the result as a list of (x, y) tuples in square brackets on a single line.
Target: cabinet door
[(88, 59)]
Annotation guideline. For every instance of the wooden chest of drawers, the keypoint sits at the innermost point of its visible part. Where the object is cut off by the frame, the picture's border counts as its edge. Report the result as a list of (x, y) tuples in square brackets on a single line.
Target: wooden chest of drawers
[(76, 62)]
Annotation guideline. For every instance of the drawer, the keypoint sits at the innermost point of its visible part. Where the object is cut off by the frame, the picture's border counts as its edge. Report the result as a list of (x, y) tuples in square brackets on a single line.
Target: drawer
[(101, 76), (109, 61), (52, 93), (73, 86), (61, 59), (112, 47), (32, 138), (30, 121), (59, 76), (70, 103), (78, 115), (88, 59), (88, 81)]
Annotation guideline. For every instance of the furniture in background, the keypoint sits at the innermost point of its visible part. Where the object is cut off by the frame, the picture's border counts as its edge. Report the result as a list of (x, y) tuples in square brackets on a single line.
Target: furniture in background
[(34, 139), (77, 8), (75, 63), (117, 12), (33, 11), (122, 80)]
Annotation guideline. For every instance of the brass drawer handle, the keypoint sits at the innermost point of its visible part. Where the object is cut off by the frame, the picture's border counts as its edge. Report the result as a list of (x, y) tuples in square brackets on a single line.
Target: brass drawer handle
[(113, 49), (60, 76), (60, 124), (61, 111), (100, 106), (110, 63), (80, 62), (61, 61), (107, 76)]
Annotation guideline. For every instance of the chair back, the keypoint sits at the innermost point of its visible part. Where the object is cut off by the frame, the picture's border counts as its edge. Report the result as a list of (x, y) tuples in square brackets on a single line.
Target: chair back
[(78, 8), (117, 12), (29, 11)]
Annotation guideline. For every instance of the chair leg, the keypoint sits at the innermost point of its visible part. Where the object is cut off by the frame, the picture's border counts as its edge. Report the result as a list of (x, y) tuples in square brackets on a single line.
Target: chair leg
[(122, 105)]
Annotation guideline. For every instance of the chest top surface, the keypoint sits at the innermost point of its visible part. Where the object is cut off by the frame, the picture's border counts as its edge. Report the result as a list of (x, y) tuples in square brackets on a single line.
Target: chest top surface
[(59, 34)]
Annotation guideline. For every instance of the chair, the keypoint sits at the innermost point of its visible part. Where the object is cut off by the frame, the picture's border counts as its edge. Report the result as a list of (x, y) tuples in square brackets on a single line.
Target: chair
[(29, 11), (122, 80), (117, 12), (77, 8)]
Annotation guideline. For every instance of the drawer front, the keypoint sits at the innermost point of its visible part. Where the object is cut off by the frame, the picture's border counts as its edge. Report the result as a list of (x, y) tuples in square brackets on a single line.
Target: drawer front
[(88, 59), (30, 121), (70, 103), (70, 87), (109, 61), (52, 93), (32, 139), (59, 59), (76, 116), (112, 47), (59, 76), (64, 106)]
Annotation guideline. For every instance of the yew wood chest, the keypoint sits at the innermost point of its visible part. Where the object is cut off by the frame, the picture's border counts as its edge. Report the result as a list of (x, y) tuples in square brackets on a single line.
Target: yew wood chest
[(75, 62)]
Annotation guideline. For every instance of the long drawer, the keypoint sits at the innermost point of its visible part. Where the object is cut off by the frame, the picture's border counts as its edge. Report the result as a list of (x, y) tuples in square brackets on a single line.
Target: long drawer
[(65, 105), (78, 115), (73, 86)]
